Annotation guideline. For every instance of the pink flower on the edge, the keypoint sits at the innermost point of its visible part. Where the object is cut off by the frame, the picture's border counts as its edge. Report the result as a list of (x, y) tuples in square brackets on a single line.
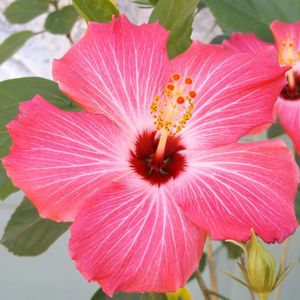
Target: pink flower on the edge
[(143, 198), (287, 47)]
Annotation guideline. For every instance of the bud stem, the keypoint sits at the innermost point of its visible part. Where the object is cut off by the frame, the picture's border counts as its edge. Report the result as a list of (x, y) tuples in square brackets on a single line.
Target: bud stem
[(202, 285), (263, 296)]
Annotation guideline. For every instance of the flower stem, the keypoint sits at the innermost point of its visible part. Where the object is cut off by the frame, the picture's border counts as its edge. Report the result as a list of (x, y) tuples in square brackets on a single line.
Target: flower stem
[(263, 297), (212, 267), (202, 285)]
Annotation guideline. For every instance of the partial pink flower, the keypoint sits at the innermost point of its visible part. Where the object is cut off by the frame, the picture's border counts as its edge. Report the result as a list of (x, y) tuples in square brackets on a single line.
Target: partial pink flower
[(154, 164), (246, 42), (287, 47)]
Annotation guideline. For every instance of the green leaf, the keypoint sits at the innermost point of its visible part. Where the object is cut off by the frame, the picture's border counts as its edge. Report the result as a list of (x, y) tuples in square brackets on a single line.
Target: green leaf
[(6, 187), (146, 3), (100, 295), (13, 43), (233, 251), (253, 15), (219, 39), (297, 158), (61, 21), (153, 296), (23, 11), (176, 16), (96, 10), (26, 234), (12, 93), (15, 91), (202, 263), (275, 130)]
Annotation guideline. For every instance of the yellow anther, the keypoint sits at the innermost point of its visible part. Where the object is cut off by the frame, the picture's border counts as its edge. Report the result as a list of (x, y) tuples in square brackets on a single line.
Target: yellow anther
[(174, 106), (288, 53)]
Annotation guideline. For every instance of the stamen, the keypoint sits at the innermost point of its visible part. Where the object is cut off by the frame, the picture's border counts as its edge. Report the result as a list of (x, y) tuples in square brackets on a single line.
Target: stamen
[(172, 109), (288, 53)]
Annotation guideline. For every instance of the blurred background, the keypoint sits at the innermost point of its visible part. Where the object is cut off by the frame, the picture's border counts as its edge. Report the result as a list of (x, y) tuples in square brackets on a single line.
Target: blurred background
[(52, 275)]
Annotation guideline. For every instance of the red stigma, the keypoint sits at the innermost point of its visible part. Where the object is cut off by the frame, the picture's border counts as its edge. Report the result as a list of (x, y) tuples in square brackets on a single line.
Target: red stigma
[(192, 94), (188, 80), (176, 77), (157, 173), (180, 100), (170, 86)]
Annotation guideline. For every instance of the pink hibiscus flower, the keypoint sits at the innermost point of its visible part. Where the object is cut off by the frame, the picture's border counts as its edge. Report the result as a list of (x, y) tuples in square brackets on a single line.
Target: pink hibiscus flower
[(287, 47), (153, 165)]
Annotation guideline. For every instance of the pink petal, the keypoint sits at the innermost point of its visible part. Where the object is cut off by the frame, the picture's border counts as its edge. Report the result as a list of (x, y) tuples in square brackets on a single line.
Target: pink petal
[(59, 159), (235, 92), (281, 30), (116, 69), (231, 189), (248, 43), (289, 116), (135, 238), (245, 42), (259, 129)]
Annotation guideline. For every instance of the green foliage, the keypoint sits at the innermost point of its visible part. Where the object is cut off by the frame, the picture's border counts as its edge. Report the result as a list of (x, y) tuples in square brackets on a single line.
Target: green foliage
[(15, 91), (23, 11), (96, 10), (176, 16), (202, 263), (12, 93), (233, 251), (153, 296), (26, 234), (146, 3), (275, 130), (61, 21), (6, 187), (253, 15), (219, 39), (13, 43), (100, 295)]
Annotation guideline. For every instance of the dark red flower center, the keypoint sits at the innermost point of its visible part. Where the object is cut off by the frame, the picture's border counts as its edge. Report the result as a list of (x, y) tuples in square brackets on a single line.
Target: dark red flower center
[(157, 172), (292, 93)]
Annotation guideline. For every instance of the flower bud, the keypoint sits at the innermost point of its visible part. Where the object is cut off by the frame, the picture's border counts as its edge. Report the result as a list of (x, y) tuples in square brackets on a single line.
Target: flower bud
[(259, 271), (260, 267)]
